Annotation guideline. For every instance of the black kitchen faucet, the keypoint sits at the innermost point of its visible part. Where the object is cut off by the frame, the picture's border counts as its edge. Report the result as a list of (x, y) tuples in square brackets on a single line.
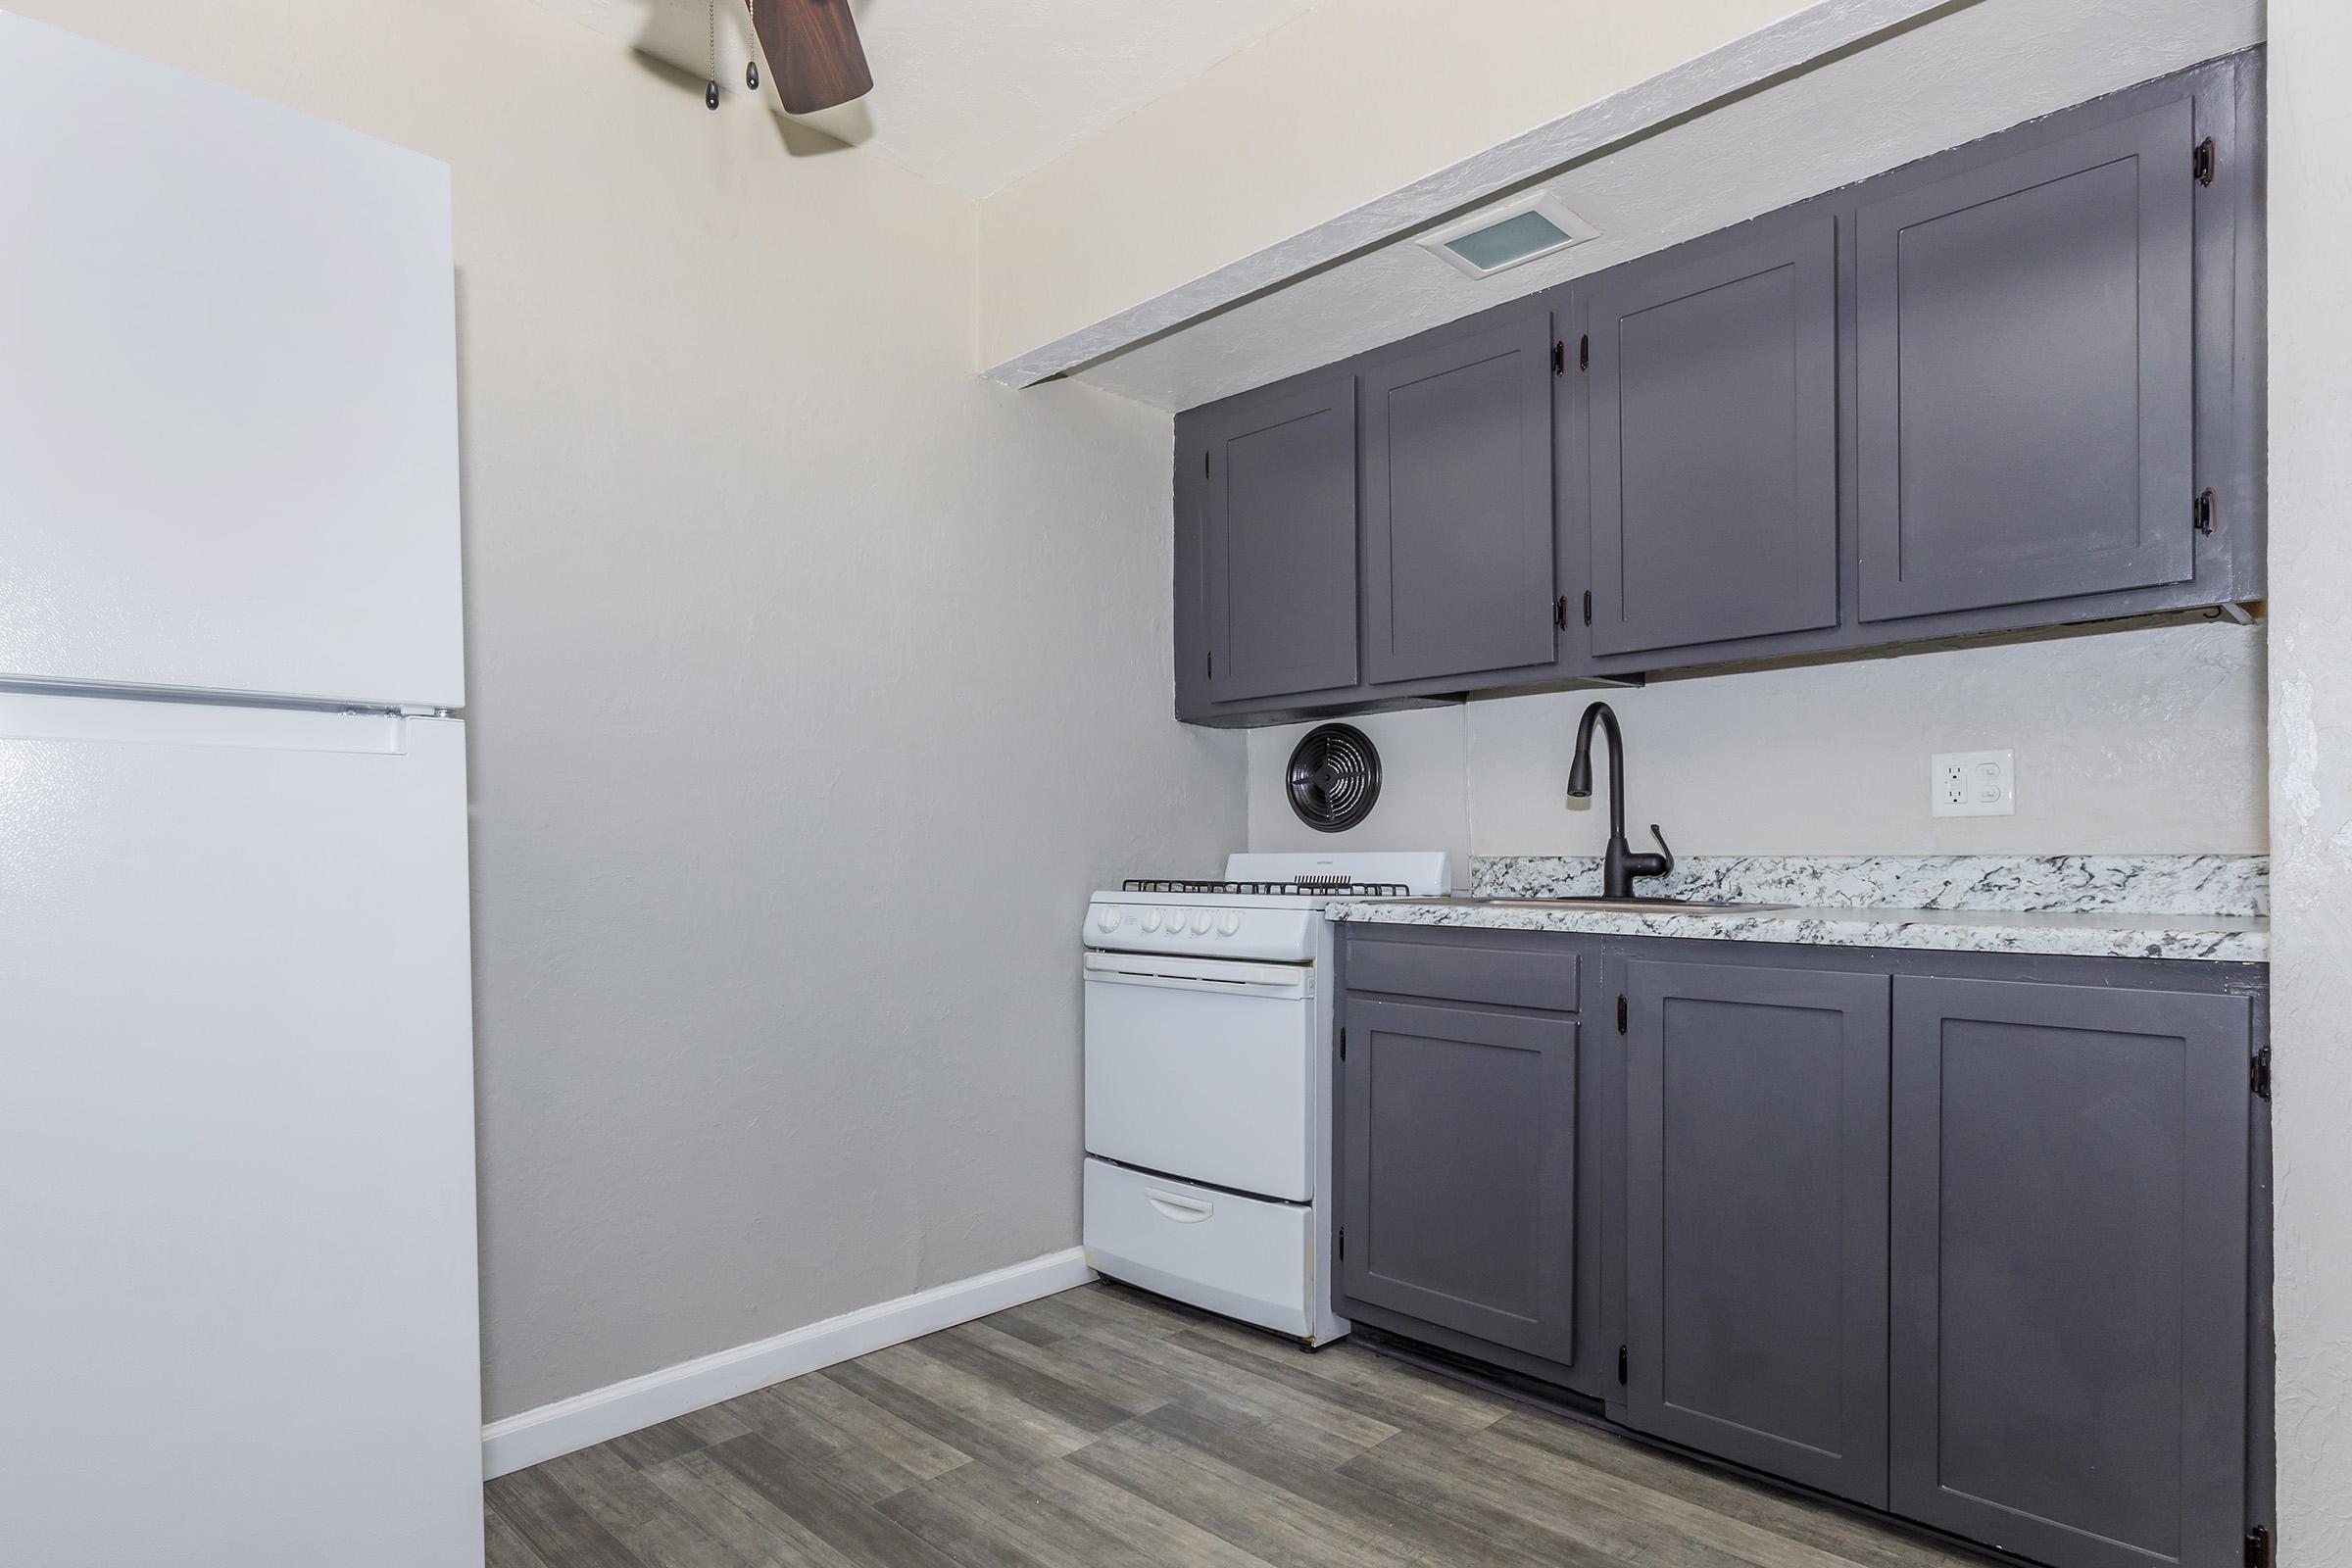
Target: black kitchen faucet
[(1621, 864)]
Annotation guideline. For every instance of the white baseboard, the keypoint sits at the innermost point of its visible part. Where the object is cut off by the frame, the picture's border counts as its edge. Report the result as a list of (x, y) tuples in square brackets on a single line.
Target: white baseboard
[(601, 1414)]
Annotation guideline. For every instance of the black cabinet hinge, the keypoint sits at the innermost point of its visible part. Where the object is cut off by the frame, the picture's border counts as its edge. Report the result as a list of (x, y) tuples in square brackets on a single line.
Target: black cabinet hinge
[(1621, 1015), (1560, 359), (1213, 666), (1587, 606), (1341, 1249), (1203, 465), (1560, 612), (2204, 162), (1343, 1044), (1621, 1364), (2258, 1547), (1584, 352), (2206, 511), (2259, 1077)]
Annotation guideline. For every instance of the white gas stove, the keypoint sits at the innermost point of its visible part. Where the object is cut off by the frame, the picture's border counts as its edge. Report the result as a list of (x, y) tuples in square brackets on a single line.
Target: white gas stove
[(1209, 1081)]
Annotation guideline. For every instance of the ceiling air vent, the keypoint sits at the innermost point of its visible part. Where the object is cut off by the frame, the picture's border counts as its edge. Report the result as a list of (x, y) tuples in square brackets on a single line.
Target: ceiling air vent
[(1500, 237)]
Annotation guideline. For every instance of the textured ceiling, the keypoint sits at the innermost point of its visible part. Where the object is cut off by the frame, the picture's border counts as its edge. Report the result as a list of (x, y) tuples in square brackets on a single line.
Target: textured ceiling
[(975, 93)]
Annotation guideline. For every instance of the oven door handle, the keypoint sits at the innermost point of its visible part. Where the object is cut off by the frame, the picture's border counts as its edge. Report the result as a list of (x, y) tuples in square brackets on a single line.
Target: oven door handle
[(1221, 976)]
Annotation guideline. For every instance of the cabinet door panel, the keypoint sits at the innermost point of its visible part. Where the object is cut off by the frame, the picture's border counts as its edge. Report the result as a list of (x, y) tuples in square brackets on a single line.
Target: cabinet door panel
[(1457, 505), (1714, 443), (1458, 1194), (1278, 546), (1756, 1217), (2069, 1268), (2024, 374)]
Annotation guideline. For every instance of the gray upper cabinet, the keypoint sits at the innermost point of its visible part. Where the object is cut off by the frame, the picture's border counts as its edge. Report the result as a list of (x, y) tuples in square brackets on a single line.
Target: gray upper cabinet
[(1757, 1216), (2022, 369), (2070, 1267), (1713, 399), (1458, 504), (1457, 1181), (1983, 393), (1278, 590)]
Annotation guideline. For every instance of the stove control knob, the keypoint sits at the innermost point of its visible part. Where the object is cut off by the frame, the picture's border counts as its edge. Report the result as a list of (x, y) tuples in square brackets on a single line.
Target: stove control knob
[(1107, 919), (1151, 919), (1228, 924), (1201, 923)]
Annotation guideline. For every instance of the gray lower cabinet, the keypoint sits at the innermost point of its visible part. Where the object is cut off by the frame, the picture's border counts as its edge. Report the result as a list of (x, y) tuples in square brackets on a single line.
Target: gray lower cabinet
[(1713, 415), (1757, 1216), (2024, 371), (1966, 1237), (2070, 1260), (1277, 547), (1458, 504), (1458, 1179)]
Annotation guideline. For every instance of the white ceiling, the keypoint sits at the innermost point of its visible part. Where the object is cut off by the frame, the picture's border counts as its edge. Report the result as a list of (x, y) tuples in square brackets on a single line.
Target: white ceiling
[(975, 93), (1968, 71)]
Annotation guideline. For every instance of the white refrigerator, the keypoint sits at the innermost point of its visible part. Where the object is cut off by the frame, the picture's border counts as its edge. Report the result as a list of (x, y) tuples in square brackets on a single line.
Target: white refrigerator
[(237, 1259)]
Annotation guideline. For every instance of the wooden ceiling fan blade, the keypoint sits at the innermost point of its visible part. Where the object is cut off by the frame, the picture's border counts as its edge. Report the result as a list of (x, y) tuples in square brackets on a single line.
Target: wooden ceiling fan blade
[(813, 52)]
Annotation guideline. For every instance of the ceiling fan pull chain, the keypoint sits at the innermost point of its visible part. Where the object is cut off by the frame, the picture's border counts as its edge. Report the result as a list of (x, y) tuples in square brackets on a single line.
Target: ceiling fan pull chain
[(750, 66), (710, 86)]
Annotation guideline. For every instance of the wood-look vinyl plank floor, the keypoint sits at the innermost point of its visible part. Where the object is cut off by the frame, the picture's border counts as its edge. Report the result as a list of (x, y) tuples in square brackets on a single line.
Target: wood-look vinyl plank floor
[(1103, 1428)]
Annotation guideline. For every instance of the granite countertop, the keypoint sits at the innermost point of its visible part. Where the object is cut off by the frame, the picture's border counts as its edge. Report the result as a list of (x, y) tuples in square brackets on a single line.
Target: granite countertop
[(2210, 907)]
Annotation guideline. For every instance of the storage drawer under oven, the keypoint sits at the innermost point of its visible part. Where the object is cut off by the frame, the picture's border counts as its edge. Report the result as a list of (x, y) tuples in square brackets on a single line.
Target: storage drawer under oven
[(1201, 1068), (1243, 1256)]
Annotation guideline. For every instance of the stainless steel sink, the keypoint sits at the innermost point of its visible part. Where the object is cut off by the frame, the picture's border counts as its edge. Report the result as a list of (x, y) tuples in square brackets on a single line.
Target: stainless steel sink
[(1611, 905)]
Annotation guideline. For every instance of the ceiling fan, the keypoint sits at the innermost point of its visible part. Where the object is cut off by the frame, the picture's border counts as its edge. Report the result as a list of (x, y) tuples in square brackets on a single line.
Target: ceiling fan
[(813, 51)]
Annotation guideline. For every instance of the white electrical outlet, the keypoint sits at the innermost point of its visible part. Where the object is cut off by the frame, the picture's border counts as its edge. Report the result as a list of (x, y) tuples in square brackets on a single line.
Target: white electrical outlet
[(1973, 784)]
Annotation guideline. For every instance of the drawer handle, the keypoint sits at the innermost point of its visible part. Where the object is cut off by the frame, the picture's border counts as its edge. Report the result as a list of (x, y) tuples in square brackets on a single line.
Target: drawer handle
[(1183, 1210)]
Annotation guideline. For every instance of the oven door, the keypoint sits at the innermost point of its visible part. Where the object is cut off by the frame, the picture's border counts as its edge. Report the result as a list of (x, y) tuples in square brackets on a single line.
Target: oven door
[(1201, 1068)]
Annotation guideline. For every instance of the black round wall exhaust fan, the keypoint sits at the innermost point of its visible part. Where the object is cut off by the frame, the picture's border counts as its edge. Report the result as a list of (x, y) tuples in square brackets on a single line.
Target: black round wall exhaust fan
[(1334, 777)]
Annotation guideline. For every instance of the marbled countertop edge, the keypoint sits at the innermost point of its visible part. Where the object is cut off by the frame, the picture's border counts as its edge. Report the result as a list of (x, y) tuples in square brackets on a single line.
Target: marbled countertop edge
[(2083, 884), (2199, 908), (2216, 939)]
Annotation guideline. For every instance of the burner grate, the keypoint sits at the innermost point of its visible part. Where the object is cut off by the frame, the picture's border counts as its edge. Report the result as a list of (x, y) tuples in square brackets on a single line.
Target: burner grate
[(1304, 887)]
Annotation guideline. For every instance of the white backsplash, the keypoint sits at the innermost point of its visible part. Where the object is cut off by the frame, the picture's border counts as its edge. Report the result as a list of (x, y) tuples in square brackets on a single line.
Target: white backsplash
[(2147, 739)]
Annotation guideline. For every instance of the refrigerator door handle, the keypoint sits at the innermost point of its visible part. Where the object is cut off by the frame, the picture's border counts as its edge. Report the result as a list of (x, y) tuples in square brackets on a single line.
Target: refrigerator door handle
[(63, 717)]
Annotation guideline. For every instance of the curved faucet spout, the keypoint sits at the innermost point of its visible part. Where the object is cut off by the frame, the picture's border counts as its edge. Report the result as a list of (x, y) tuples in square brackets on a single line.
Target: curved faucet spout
[(1581, 769)]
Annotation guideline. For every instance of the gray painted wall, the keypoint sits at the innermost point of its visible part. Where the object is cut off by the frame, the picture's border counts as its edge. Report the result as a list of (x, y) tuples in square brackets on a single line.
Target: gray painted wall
[(816, 681), (2311, 785), (2142, 739)]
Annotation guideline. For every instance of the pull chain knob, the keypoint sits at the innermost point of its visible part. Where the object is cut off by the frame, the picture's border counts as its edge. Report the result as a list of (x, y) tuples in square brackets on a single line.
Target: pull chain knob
[(711, 83)]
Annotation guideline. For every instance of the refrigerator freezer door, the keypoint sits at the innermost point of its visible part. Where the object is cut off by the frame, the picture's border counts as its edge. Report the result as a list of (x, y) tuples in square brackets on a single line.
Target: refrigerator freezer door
[(236, 1140), (228, 390)]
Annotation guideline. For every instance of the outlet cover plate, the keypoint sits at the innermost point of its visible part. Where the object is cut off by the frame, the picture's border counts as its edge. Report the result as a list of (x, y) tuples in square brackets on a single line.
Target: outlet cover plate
[(1973, 784)]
